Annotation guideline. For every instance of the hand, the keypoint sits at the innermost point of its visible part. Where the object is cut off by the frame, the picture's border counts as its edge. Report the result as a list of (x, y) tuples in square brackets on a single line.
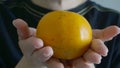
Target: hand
[(97, 48), (36, 55)]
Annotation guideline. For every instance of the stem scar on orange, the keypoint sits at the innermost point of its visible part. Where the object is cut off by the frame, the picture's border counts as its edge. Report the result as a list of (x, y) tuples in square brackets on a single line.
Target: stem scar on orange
[(68, 33)]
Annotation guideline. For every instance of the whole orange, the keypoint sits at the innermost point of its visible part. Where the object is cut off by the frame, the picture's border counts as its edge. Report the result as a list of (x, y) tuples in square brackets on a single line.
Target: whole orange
[(68, 33)]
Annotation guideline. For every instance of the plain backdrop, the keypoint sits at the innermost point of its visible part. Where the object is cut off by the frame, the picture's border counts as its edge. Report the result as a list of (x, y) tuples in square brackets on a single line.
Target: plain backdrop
[(114, 4)]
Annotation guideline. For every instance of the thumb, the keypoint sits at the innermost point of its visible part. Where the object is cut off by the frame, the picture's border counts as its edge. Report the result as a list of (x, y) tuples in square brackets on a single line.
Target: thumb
[(107, 33), (22, 28)]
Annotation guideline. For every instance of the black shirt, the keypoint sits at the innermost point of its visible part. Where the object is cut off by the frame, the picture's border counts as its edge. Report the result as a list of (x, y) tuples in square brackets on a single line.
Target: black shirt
[(98, 16)]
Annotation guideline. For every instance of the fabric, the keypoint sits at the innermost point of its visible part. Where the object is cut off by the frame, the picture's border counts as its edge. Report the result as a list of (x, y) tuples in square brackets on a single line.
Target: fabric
[(98, 16)]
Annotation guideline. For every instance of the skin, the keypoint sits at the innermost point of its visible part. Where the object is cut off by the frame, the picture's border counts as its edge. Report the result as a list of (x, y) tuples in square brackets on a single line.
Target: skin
[(35, 55), (58, 4)]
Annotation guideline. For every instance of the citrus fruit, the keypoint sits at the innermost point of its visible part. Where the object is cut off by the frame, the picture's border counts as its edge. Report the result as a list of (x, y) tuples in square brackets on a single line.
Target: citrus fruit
[(68, 33)]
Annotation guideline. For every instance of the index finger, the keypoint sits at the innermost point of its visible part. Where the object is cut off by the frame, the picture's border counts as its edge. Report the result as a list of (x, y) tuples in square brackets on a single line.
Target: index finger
[(22, 29)]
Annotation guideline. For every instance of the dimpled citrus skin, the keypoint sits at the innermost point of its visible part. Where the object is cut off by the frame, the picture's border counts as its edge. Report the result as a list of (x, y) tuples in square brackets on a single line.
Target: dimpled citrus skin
[(68, 33)]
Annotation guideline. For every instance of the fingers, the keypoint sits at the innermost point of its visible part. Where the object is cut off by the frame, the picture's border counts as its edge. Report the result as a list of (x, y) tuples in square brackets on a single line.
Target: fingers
[(32, 48), (54, 63), (107, 33), (42, 55), (22, 28), (92, 57), (32, 31), (29, 45), (81, 63), (99, 47)]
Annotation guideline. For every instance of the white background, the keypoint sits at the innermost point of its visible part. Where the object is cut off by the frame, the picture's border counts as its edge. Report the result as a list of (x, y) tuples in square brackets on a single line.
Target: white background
[(114, 4)]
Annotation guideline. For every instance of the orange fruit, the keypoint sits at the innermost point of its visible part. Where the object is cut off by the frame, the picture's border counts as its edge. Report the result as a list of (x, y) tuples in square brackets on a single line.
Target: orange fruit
[(68, 33)]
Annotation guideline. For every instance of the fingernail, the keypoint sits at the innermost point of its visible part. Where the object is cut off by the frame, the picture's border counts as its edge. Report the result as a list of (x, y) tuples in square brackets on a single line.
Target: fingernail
[(39, 43), (38, 46), (106, 53), (48, 52), (13, 22)]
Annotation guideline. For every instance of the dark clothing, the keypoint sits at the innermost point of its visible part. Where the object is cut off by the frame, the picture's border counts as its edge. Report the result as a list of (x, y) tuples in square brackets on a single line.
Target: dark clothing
[(98, 16)]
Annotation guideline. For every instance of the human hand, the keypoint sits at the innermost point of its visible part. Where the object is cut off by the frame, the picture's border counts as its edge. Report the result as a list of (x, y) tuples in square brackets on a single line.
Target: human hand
[(35, 55), (97, 48)]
